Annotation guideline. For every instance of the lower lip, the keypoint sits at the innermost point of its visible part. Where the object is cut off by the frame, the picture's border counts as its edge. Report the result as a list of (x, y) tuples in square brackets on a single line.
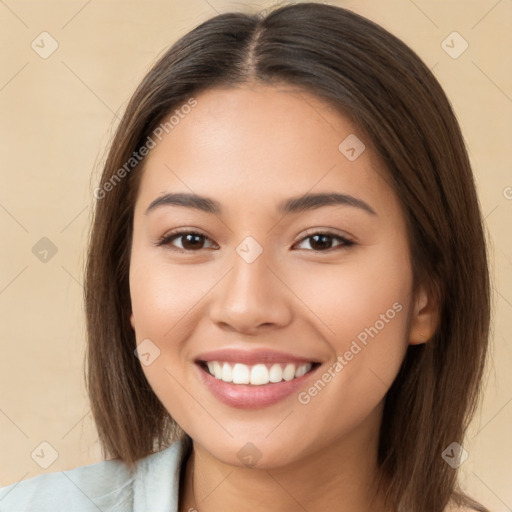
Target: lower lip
[(245, 396)]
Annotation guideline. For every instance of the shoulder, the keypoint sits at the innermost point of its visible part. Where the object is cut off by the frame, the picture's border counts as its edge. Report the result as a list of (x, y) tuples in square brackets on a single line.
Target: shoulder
[(81, 489), (108, 486)]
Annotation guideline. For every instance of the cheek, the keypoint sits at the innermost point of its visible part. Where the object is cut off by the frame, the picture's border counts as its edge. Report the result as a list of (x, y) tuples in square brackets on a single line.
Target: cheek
[(363, 305), (163, 295), (164, 298), (368, 288)]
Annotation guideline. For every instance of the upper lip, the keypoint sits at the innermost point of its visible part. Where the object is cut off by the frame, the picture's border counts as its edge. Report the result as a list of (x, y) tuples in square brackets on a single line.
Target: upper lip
[(251, 357)]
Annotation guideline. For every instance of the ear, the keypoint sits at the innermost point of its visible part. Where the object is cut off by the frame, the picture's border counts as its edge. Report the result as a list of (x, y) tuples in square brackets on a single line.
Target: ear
[(425, 317), (132, 321)]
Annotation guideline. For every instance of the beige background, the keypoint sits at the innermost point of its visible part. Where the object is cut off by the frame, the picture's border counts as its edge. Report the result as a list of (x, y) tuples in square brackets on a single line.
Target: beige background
[(57, 116)]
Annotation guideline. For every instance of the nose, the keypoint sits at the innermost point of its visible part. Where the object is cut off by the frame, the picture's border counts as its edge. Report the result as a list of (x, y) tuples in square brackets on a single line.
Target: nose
[(252, 297)]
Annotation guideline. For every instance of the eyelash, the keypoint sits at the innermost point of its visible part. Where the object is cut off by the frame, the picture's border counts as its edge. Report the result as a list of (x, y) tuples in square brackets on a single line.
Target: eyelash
[(168, 238)]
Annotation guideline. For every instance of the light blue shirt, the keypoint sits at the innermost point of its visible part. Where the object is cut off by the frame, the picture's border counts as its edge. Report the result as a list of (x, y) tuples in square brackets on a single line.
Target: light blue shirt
[(106, 486)]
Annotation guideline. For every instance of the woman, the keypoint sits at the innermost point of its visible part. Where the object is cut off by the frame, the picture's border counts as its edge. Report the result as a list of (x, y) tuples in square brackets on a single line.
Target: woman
[(287, 290)]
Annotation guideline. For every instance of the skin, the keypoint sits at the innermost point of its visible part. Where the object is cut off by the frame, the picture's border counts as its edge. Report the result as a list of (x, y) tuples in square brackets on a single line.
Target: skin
[(249, 148)]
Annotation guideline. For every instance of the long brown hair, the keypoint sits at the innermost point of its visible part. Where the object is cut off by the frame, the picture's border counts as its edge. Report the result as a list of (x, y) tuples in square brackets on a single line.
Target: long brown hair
[(384, 87)]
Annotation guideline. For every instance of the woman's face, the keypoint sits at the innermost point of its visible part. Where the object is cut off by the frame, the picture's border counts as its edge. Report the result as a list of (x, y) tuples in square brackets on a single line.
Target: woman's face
[(266, 285)]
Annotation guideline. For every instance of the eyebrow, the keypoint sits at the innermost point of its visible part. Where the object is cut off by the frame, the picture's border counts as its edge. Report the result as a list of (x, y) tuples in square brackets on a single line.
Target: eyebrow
[(291, 205)]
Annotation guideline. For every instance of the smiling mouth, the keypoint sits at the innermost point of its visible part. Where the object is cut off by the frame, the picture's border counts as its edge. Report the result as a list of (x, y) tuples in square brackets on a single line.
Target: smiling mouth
[(258, 374)]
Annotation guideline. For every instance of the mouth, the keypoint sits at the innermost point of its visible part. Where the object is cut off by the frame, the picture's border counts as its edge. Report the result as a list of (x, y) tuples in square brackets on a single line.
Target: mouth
[(254, 380), (259, 374)]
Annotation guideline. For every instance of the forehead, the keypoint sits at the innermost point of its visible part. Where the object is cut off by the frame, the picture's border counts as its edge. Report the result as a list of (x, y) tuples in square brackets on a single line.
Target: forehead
[(256, 144)]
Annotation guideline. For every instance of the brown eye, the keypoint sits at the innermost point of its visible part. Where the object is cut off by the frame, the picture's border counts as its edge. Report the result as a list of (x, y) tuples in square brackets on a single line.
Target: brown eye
[(190, 241), (322, 242)]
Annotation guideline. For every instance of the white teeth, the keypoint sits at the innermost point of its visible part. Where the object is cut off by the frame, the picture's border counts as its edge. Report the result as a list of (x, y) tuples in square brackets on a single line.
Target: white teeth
[(227, 373), (240, 374), (217, 370), (276, 373), (256, 375), (259, 375), (302, 370), (289, 372)]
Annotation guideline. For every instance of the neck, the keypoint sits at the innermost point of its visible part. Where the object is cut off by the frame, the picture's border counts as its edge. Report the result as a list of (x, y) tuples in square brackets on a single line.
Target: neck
[(341, 477)]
